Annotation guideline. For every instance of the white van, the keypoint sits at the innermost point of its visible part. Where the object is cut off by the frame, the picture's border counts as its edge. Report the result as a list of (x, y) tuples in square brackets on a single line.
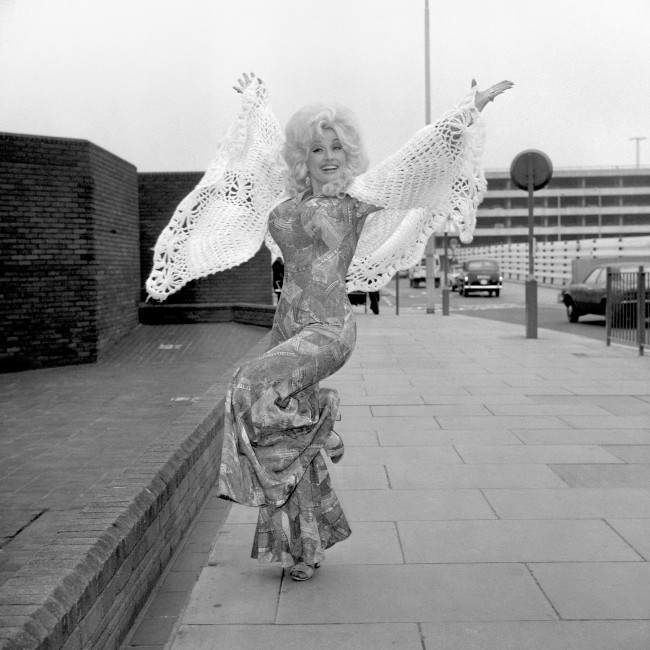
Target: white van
[(418, 273)]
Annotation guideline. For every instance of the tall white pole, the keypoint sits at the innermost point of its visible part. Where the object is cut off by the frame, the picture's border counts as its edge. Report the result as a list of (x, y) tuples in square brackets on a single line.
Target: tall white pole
[(638, 140), (427, 64), (431, 244)]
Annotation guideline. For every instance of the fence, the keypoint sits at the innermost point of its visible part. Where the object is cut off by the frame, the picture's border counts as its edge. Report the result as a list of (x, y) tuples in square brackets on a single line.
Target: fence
[(627, 307), (555, 260)]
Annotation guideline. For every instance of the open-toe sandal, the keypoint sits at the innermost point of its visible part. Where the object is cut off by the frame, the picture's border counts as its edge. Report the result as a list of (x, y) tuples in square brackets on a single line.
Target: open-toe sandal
[(337, 448), (301, 571)]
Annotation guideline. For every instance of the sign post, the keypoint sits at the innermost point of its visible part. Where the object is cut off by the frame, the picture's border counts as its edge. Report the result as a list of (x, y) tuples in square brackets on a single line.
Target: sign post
[(430, 267), (531, 170), (445, 271)]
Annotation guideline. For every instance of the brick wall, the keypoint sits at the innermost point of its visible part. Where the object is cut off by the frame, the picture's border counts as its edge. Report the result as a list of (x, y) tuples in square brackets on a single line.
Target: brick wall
[(117, 245), (159, 194), (57, 197)]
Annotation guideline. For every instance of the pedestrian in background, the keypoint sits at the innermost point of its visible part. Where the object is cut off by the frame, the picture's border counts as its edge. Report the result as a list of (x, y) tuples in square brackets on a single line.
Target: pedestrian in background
[(374, 302)]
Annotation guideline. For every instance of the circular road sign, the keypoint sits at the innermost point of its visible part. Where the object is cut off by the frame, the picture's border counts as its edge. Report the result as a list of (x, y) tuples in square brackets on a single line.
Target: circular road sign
[(531, 165)]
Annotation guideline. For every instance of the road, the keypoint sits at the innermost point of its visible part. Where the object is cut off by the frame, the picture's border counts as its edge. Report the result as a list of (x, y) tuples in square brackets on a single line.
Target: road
[(509, 307)]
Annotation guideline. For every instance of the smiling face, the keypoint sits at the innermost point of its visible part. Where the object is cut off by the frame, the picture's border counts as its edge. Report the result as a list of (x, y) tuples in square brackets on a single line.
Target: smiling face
[(325, 160)]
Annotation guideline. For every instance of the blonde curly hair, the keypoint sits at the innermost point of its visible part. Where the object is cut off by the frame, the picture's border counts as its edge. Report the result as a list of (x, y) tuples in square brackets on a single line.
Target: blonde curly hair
[(304, 127)]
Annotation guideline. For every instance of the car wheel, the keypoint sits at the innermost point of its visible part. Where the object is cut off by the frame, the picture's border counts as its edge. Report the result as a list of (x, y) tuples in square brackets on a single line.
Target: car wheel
[(411, 283), (572, 312), (497, 293), (461, 290)]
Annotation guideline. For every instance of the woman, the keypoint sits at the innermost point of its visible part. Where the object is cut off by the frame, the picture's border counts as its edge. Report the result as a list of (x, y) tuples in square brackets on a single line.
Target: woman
[(335, 226)]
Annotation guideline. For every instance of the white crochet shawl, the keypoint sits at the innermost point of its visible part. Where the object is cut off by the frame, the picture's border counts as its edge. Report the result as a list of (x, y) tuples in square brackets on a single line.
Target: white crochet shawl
[(435, 181)]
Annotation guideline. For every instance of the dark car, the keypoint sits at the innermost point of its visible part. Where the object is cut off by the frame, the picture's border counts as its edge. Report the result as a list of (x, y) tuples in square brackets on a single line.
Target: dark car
[(479, 275), (590, 295)]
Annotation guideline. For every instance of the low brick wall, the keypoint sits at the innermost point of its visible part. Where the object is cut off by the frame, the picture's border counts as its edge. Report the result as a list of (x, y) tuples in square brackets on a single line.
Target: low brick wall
[(87, 587), (245, 313)]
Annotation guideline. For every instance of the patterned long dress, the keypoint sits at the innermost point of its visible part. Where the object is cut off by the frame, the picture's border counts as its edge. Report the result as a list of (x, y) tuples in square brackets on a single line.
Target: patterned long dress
[(277, 419)]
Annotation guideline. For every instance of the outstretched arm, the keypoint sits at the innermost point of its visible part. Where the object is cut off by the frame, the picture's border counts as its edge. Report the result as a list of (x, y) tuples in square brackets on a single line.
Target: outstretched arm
[(434, 181), (222, 222), (420, 174)]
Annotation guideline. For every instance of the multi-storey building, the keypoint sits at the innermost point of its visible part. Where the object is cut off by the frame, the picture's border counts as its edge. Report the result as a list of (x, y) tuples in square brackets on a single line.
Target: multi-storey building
[(578, 203)]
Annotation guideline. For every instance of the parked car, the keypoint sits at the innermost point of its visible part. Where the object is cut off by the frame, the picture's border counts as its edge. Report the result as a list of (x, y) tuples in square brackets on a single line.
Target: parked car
[(480, 275), (590, 295), (418, 273)]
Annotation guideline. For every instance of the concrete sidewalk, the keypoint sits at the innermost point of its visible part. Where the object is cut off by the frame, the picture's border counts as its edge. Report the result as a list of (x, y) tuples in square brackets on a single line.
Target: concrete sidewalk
[(499, 494)]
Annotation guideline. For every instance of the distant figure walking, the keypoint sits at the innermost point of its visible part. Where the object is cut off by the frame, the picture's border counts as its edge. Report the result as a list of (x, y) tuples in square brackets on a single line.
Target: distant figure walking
[(374, 301)]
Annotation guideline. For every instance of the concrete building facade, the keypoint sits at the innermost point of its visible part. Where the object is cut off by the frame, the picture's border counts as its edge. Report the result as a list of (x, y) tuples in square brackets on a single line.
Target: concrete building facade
[(581, 203)]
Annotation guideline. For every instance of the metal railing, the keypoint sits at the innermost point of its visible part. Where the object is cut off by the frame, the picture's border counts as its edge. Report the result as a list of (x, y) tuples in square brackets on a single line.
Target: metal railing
[(628, 307)]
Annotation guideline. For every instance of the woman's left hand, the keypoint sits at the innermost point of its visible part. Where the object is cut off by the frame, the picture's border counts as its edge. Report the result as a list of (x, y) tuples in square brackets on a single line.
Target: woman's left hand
[(483, 97)]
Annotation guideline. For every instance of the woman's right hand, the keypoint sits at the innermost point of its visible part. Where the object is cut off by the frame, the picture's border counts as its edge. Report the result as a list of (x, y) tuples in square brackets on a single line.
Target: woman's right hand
[(483, 97), (245, 81)]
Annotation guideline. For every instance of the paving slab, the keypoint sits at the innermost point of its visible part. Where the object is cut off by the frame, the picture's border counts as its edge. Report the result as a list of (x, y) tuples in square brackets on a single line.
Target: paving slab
[(371, 542), (357, 436), (512, 541), (537, 635), (500, 422), (434, 455), (394, 505), (613, 404), (630, 453), (423, 475), (431, 410), (608, 422), (242, 515), (636, 532), (404, 425), (409, 593), (597, 590), (547, 409), (417, 437), (600, 437), (461, 399), (231, 545), (546, 454), (572, 503), (244, 594), (381, 399), (597, 476), (624, 385), (360, 477), (378, 636)]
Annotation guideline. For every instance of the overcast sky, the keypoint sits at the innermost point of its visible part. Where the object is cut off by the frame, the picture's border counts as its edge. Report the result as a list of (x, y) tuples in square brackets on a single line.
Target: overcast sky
[(150, 80)]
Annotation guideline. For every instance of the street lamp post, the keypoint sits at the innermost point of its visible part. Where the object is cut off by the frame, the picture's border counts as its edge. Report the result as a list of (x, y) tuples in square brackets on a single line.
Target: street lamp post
[(445, 268), (638, 139), (431, 244)]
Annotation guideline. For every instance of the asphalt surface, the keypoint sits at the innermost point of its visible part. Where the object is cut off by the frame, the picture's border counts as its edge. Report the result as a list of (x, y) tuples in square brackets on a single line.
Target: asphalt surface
[(509, 307)]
